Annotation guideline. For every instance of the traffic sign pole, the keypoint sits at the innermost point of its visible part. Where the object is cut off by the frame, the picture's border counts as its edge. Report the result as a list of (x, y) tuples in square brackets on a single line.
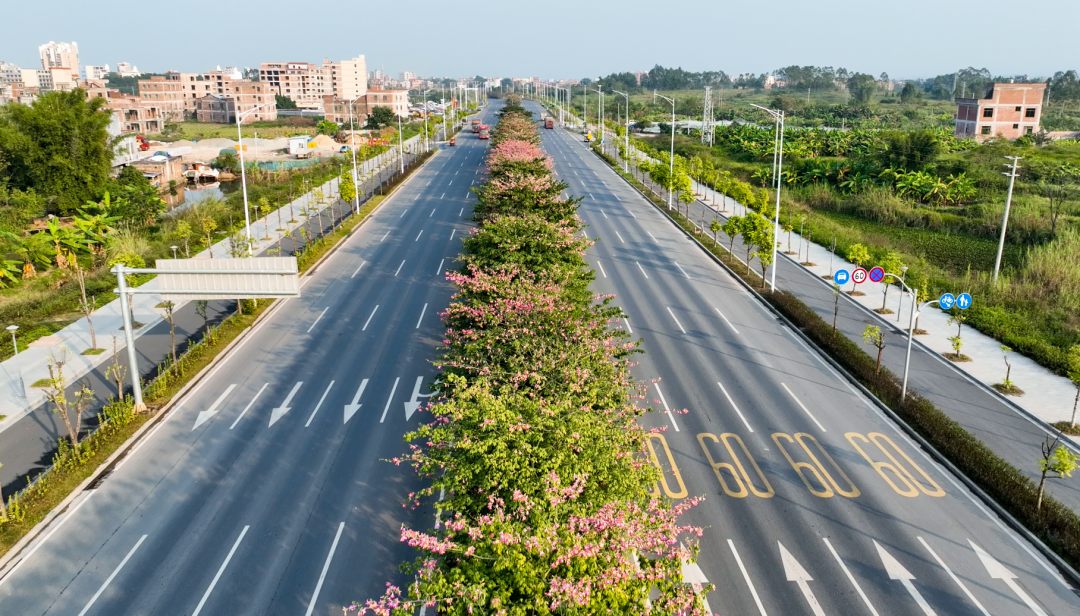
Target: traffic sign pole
[(945, 302)]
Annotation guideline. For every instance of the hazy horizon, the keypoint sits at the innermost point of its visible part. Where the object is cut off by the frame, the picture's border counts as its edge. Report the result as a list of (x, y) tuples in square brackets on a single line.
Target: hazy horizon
[(929, 38)]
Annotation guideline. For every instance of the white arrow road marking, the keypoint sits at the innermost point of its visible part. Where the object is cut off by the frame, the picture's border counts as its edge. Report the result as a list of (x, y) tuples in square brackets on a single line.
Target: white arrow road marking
[(666, 408), (734, 406), (850, 577), (364, 328), (352, 407), (695, 577), (326, 566), (414, 403), (422, 311), (389, 400), (246, 408), (280, 411), (319, 404), (220, 570), (795, 573), (998, 571), (805, 410), (207, 414), (109, 579), (896, 571), (953, 576), (746, 578)]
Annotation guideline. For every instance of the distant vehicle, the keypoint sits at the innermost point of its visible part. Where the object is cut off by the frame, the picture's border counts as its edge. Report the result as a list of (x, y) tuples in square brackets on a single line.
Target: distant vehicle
[(144, 144), (476, 126), (483, 131), (588, 137), (549, 123), (453, 141)]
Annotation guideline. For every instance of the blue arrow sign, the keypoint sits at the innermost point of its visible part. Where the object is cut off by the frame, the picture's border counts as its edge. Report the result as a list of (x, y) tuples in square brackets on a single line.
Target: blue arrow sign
[(841, 277), (963, 301), (946, 301)]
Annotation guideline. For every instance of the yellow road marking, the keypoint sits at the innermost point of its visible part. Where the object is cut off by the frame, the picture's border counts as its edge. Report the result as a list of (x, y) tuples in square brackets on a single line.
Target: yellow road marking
[(898, 470), (829, 487), (741, 478), (681, 492)]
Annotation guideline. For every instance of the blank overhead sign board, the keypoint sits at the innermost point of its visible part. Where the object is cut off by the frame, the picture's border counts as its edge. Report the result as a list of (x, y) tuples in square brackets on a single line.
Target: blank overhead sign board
[(251, 278)]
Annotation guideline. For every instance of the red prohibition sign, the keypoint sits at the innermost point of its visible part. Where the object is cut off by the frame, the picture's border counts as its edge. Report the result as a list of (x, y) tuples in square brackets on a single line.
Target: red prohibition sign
[(877, 274), (859, 275)]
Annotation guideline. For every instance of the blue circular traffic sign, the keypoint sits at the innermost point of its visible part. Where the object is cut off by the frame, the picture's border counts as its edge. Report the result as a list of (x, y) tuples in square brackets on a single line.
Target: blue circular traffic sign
[(963, 301), (877, 274), (946, 301), (840, 277)]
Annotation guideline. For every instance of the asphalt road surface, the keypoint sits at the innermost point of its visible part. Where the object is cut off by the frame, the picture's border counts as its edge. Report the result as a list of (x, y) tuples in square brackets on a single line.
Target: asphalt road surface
[(266, 491), (815, 502)]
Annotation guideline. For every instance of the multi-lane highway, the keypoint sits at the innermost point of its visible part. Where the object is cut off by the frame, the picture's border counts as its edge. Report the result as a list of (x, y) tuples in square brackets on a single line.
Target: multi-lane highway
[(816, 503), (266, 490)]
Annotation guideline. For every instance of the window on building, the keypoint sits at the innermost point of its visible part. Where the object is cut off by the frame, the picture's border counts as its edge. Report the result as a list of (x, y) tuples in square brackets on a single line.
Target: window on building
[(986, 130), (1029, 113), (1016, 126), (988, 112), (1018, 109), (1028, 130)]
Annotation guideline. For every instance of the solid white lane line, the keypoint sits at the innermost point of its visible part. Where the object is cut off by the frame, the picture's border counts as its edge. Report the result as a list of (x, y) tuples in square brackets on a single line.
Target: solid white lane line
[(725, 319), (325, 568), (681, 269), (220, 570), (369, 318), (109, 579), (642, 269), (620, 237), (432, 213), (389, 400), (319, 404), (358, 270), (452, 232), (652, 236), (317, 319), (601, 266), (628, 328), (805, 410), (734, 406), (44, 539), (666, 409), (851, 578), (602, 212), (676, 319), (418, 235), (399, 268), (384, 236), (439, 271), (248, 407), (746, 578), (422, 311), (953, 576)]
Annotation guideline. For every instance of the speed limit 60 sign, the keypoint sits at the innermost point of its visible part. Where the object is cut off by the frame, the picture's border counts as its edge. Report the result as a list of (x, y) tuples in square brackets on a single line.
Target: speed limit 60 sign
[(859, 275)]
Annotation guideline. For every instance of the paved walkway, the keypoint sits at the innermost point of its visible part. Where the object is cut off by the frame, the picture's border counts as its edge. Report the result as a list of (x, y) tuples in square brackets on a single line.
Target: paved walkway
[(17, 374)]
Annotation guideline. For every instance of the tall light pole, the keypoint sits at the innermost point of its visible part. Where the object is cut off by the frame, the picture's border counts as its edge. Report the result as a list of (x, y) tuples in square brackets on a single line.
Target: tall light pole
[(424, 97), (1005, 219), (778, 116), (585, 109), (916, 309), (400, 145), (671, 166), (15, 345), (243, 174), (352, 146), (600, 112), (626, 133)]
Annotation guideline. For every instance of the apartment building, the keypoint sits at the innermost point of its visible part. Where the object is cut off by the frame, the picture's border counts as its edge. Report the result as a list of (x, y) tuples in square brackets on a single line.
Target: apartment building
[(95, 72), (193, 86), (306, 84), (167, 94), (396, 100), (134, 114), (125, 69), (249, 97), (1008, 110), (215, 108), (60, 55)]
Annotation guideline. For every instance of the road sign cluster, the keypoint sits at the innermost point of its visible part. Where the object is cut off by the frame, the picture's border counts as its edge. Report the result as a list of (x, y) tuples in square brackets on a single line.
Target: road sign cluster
[(947, 301)]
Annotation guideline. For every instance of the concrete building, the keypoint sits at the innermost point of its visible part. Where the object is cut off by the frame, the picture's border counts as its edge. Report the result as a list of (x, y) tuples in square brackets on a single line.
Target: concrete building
[(396, 100), (408, 76), (1008, 110), (215, 108), (250, 95), (133, 114), (58, 78), (126, 70), (10, 73), (57, 55), (95, 72), (348, 78), (306, 84), (193, 86), (167, 94)]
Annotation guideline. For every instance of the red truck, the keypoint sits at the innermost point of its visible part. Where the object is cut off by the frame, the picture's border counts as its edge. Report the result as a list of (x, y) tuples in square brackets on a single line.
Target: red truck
[(483, 131), (549, 123), (476, 126)]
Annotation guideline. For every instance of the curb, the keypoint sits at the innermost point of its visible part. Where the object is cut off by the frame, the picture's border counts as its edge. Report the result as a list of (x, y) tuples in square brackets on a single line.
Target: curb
[(1045, 550), (15, 555)]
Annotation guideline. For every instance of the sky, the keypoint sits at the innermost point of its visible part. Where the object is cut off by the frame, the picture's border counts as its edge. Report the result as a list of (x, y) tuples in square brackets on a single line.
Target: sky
[(560, 38)]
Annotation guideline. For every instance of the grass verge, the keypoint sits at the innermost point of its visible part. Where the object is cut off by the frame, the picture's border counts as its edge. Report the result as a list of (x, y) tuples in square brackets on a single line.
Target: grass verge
[(1055, 524), (70, 467)]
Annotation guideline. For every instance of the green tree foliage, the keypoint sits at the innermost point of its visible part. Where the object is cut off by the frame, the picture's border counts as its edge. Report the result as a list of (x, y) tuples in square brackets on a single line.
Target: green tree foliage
[(284, 102), (910, 93), (908, 150), (58, 146), (380, 117), (862, 88), (328, 128), (227, 162), (136, 200)]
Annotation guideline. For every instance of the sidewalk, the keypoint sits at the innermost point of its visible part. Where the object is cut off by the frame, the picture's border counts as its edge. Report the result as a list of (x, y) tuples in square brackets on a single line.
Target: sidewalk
[(18, 373)]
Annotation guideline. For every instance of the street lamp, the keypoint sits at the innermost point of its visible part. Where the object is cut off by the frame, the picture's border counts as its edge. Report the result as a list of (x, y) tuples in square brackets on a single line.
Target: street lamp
[(903, 275), (626, 135), (174, 251), (916, 309), (401, 149), (424, 99), (600, 114), (352, 146), (778, 153), (13, 329), (243, 175), (671, 167)]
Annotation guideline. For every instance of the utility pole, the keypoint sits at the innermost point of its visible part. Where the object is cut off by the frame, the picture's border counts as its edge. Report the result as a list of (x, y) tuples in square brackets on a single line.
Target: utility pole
[(707, 118), (1005, 219)]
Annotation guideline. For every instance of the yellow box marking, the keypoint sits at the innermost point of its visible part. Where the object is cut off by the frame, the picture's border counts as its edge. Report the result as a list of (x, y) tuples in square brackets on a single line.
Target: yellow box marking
[(912, 486), (828, 485), (681, 492), (740, 477)]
